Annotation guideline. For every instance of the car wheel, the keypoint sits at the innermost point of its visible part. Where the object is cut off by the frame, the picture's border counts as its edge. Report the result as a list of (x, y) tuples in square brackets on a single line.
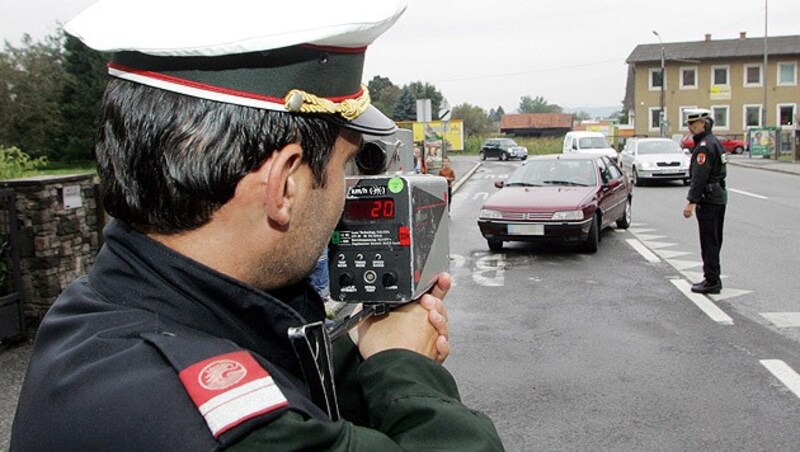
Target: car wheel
[(482, 155), (635, 178), (687, 181), (738, 150), (495, 245), (625, 220), (524, 157), (503, 156), (590, 246)]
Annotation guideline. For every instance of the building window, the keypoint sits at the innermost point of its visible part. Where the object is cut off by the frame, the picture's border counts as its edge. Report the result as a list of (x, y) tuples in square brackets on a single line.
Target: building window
[(752, 116), (655, 78), (786, 114), (688, 78), (787, 74), (721, 116), (682, 116), (719, 75), (654, 119), (752, 75)]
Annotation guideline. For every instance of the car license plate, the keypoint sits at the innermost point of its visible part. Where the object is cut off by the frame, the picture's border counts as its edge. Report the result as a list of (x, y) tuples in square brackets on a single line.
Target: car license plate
[(526, 229)]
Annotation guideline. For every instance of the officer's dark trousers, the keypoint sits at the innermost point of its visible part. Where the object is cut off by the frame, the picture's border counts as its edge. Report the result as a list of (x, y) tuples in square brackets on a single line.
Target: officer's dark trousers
[(710, 220)]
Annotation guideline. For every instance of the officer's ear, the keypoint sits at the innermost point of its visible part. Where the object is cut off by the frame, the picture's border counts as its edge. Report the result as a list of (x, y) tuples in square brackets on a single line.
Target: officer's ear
[(281, 183)]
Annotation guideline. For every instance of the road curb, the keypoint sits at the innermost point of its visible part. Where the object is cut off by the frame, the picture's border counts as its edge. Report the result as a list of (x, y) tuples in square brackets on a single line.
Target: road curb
[(762, 167), (466, 176)]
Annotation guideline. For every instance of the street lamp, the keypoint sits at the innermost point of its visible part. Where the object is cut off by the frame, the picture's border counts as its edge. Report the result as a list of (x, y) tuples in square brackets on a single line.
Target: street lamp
[(661, 122)]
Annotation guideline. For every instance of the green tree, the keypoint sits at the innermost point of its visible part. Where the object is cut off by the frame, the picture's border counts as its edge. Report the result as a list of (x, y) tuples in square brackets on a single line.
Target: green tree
[(81, 97), (405, 108), (581, 115), (422, 90), (476, 121), (31, 77), (539, 104), (384, 94), (496, 115)]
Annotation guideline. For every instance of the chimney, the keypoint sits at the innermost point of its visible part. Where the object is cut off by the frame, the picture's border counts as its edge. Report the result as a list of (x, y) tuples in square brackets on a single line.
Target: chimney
[(708, 37), (742, 35)]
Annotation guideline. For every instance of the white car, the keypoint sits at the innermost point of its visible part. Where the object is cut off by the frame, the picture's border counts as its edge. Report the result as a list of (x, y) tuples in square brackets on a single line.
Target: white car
[(587, 142), (654, 159)]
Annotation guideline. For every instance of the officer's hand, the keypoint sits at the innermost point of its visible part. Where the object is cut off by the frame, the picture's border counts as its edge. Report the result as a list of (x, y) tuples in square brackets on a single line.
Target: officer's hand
[(688, 210), (420, 327)]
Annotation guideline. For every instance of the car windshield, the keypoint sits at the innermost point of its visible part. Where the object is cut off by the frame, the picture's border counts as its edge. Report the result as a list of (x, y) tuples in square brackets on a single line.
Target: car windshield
[(593, 143), (658, 147), (549, 172), (507, 142)]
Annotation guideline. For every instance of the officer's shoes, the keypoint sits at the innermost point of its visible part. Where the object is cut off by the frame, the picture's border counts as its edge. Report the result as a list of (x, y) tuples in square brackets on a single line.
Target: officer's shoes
[(707, 287)]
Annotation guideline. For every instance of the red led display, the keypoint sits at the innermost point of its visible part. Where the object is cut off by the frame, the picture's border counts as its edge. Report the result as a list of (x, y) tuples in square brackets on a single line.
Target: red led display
[(369, 209)]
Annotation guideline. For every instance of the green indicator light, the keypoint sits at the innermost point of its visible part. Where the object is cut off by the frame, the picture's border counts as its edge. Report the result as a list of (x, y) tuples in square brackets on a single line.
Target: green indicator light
[(396, 185), (336, 238)]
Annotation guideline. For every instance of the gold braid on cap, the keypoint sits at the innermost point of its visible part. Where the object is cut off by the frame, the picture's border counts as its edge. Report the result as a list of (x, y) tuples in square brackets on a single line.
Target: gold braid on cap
[(299, 101)]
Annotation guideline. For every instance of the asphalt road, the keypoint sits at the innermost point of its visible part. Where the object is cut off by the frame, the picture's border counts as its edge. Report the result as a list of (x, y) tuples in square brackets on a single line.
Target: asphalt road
[(569, 351)]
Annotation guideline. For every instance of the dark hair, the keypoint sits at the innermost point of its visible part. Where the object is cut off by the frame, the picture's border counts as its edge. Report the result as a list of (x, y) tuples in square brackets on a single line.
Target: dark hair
[(708, 123), (167, 161)]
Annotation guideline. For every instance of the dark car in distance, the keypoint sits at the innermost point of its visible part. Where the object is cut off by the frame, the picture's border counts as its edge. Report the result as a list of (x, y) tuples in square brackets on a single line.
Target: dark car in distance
[(731, 145), (567, 198), (503, 149)]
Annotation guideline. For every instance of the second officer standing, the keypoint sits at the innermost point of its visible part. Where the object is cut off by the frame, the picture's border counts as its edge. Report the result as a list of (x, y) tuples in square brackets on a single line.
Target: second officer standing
[(707, 196)]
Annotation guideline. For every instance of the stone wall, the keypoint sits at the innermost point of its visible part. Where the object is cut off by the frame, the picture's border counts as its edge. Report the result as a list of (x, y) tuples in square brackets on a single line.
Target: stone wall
[(60, 220)]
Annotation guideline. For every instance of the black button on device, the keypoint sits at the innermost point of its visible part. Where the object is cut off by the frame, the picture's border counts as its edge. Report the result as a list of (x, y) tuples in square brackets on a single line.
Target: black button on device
[(347, 279), (389, 279)]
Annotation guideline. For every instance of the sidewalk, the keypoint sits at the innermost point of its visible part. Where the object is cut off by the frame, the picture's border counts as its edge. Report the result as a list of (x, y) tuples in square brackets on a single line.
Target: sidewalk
[(778, 166)]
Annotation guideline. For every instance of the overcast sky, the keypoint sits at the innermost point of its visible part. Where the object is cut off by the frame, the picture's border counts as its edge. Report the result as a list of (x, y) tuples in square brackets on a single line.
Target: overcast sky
[(491, 53)]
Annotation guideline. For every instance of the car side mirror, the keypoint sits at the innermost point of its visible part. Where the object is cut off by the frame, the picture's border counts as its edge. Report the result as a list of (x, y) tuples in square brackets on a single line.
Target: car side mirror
[(574, 146), (499, 184)]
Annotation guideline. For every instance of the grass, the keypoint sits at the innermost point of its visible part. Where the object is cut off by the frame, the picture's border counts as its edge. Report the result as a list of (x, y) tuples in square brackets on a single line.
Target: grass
[(536, 146), (63, 169)]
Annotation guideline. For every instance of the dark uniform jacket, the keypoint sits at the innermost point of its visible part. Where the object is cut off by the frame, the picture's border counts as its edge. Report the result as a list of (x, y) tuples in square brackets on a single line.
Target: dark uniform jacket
[(708, 171), (153, 351)]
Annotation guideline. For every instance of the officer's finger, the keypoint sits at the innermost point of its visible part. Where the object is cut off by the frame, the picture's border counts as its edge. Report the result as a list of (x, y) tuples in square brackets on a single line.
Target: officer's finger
[(439, 322), (432, 303), (442, 349), (442, 285)]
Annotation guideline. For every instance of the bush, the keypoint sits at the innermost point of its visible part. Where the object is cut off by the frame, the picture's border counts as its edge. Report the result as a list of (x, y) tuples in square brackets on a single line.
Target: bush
[(14, 163)]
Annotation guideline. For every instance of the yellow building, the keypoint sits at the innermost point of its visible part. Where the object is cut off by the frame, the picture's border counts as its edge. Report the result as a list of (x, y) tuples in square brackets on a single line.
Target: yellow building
[(726, 76)]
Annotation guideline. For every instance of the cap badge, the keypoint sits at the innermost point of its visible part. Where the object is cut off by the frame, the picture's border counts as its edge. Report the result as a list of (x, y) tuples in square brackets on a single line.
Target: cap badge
[(299, 101)]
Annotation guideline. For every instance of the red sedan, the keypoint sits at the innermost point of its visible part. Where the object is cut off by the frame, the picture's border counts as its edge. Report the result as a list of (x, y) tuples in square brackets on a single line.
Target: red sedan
[(561, 197), (732, 145)]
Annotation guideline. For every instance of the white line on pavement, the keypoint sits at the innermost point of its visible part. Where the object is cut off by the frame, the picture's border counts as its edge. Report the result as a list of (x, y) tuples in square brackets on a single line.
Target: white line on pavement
[(646, 253), (702, 302), (784, 373), (742, 192)]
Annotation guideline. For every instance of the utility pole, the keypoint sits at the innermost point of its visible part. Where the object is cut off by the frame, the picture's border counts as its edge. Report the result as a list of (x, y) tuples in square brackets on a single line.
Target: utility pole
[(661, 117)]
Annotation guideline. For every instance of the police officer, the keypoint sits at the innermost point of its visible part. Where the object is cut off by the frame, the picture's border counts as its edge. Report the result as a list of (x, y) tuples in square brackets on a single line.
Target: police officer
[(707, 196), (226, 131)]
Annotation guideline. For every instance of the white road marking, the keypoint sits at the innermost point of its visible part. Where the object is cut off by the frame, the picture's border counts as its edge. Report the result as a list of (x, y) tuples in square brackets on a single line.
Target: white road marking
[(704, 303), (783, 319), (730, 293), (784, 373), (641, 249), (489, 176), (742, 192), (490, 271), (683, 265), (480, 196), (669, 254), (657, 245), (635, 231), (648, 237)]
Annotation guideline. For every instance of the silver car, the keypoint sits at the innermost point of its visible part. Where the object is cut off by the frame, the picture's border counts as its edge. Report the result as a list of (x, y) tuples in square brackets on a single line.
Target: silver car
[(654, 159)]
